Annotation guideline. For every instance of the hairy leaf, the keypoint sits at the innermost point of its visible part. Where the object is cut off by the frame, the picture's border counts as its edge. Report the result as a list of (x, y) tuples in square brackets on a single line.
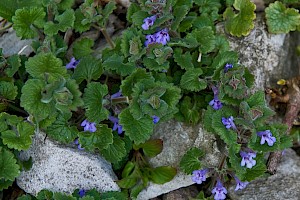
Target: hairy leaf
[(183, 60), (93, 97), (190, 160), (8, 90), (240, 24), (116, 63), (191, 81), (179, 12), (27, 20), (115, 151), (82, 48), (281, 19), (9, 169)]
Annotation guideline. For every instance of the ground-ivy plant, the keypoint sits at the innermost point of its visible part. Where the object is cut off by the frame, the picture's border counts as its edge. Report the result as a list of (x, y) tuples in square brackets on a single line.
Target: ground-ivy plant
[(169, 63)]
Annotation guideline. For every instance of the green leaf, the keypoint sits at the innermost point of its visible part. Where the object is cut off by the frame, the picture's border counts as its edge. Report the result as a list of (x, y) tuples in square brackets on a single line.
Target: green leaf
[(61, 131), (61, 196), (108, 9), (4, 184), (64, 21), (9, 169), (78, 25), (191, 81), (115, 151), (101, 139), (128, 169), (82, 48), (138, 75), (45, 195), (14, 62), (207, 6), (65, 4), (19, 137), (151, 148), (8, 90), (281, 19), (240, 24), (31, 99), (113, 195), (45, 64), (190, 160), (89, 68), (161, 175), (190, 108), (179, 13), (138, 131), (27, 20), (116, 63), (93, 97), (183, 60), (24, 197), (205, 37)]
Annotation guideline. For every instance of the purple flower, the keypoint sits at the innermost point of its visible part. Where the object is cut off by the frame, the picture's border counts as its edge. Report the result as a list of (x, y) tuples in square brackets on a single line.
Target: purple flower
[(162, 36), (78, 144), (116, 95), (155, 119), (72, 64), (116, 126), (89, 126), (266, 136), (228, 122), (199, 176), (227, 67), (150, 39), (247, 159), (239, 184), (219, 191), (216, 103), (81, 193), (149, 21)]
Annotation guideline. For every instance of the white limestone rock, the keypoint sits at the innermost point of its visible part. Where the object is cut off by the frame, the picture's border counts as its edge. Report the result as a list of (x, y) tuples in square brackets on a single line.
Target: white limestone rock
[(63, 169)]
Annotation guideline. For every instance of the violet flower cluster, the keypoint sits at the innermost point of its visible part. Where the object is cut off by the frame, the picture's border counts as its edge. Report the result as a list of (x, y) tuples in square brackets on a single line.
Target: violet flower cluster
[(247, 159), (199, 176), (116, 126), (72, 64), (228, 122), (89, 126), (78, 144), (239, 184), (219, 191), (266, 136), (161, 36), (155, 119), (216, 104), (227, 67)]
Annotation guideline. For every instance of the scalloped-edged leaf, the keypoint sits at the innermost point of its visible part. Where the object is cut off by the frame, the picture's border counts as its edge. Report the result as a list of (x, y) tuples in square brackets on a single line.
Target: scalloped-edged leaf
[(31, 99), (190, 80), (161, 175), (205, 37), (4, 184), (9, 169), (93, 96), (138, 75), (281, 19), (62, 23), (65, 4), (179, 13), (89, 68), (190, 160), (108, 9), (19, 138), (183, 60), (73, 88), (115, 151), (221, 60), (188, 42), (78, 25), (82, 48), (206, 6), (101, 139), (14, 62), (138, 131), (116, 63), (240, 24), (191, 109), (62, 196), (27, 20), (61, 130), (45, 64), (8, 90)]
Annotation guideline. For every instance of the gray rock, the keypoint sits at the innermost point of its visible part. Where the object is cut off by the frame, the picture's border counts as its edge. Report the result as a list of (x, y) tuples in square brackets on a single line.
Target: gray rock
[(270, 57), (178, 138), (284, 184), (12, 44), (182, 193), (63, 169)]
